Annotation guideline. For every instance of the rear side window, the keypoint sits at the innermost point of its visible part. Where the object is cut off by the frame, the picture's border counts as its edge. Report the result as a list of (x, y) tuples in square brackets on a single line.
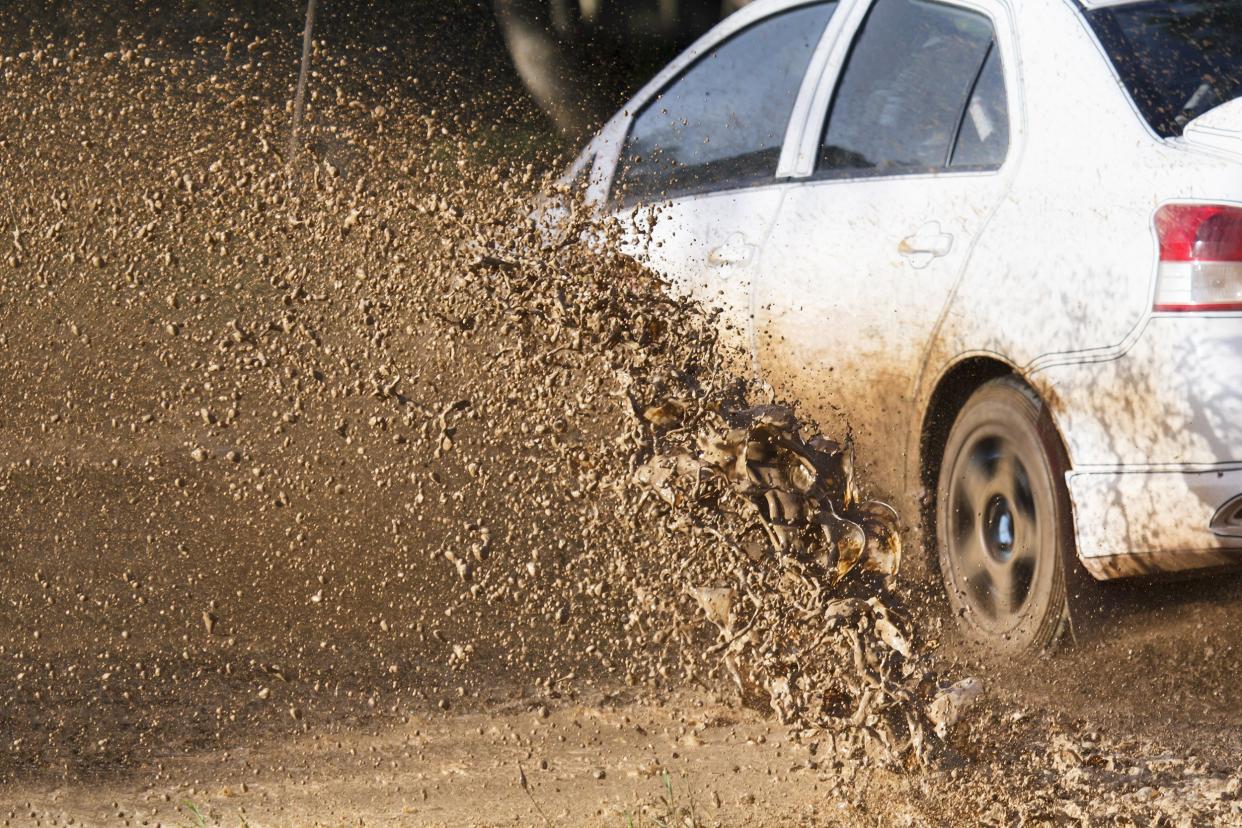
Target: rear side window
[(983, 137), (1178, 59), (721, 123), (901, 96)]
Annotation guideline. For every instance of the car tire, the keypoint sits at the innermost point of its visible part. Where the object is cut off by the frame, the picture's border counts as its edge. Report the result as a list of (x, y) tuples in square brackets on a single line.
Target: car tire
[(1003, 521)]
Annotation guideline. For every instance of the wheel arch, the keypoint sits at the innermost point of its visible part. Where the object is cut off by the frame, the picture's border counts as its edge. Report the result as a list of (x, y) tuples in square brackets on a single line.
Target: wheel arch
[(951, 391)]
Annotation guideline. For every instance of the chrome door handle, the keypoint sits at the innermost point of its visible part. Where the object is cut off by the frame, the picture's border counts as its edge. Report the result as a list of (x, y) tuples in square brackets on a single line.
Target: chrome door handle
[(735, 251), (926, 244)]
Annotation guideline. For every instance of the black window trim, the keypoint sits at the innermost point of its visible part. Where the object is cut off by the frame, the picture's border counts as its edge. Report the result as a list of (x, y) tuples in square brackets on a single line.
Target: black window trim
[(615, 203), (846, 175)]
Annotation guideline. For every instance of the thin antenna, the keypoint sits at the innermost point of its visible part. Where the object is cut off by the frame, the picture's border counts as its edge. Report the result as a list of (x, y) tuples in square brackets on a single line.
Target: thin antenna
[(300, 98)]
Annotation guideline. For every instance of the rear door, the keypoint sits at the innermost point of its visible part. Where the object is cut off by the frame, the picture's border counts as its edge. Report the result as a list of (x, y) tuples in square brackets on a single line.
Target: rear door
[(696, 181), (907, 165)]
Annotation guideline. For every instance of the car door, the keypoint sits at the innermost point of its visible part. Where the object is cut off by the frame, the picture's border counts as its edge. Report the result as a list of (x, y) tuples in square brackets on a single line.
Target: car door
[(907, 168), (696, 183)]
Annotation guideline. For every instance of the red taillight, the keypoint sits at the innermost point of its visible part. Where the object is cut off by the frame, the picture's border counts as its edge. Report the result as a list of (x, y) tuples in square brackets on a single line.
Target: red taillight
[(1199, 232), (1200, 258)]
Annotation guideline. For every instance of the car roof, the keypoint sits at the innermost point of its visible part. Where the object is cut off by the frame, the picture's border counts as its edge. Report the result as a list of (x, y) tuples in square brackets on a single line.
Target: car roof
[(1097, 4)]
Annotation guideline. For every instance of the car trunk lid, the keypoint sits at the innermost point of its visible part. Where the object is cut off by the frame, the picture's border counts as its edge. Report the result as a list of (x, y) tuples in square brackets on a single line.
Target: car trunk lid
[(1217, 129)]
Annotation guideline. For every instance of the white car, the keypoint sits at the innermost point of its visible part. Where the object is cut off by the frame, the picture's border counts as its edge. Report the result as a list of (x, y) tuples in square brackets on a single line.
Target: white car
[(1002, 240)]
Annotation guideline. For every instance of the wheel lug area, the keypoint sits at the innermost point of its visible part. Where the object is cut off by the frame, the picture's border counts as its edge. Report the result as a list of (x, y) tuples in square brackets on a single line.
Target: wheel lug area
[(998, 528)]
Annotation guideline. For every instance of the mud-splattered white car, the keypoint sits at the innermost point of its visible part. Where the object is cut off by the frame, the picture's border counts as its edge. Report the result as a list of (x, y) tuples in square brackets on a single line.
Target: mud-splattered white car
[(1004, 240)]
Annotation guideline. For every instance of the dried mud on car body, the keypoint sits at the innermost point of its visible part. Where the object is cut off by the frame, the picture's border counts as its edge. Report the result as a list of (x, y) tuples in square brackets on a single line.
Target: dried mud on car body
[(313, 448)]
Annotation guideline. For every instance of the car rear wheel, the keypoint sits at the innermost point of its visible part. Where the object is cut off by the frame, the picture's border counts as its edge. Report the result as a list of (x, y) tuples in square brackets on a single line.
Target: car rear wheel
[(1002, 519)]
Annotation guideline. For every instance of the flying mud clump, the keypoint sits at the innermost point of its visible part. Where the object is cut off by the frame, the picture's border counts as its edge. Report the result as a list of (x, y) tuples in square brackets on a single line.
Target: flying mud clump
[(764, 532), (789, 628)]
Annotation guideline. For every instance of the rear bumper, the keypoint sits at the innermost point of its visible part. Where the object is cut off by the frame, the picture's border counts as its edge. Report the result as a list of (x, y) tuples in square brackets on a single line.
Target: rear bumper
[(1139, 521)]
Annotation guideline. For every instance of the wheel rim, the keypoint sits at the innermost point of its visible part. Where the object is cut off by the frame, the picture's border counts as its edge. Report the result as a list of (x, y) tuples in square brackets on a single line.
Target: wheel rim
[(994, 532)]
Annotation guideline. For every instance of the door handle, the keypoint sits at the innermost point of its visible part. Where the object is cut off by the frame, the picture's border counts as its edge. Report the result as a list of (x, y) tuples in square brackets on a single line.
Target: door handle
[(926, 244), (735, 251)]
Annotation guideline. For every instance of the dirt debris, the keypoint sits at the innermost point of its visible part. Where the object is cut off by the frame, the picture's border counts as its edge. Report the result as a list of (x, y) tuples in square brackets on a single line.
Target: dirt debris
[(338, 335), (782, 520)]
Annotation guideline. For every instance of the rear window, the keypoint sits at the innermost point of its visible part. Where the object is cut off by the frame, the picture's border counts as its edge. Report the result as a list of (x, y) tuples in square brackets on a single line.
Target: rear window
[(1177, 59)]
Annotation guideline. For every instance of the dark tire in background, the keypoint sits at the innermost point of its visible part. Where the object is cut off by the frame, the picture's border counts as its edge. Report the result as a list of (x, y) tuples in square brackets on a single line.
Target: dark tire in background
[(581, 59), (1003, 520)]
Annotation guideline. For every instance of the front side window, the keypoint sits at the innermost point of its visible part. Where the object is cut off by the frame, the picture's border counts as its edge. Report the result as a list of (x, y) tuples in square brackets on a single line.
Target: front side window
[(720, 125), (1178, 59), (902, 93)]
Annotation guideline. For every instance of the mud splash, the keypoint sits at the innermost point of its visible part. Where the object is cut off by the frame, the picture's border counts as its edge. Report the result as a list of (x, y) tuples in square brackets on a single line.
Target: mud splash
[(421, 426), (765, 531), (828, 654)]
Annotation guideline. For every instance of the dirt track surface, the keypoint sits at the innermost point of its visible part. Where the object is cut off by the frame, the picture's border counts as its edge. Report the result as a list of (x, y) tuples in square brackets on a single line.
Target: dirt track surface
[(599, 763), (318, 497)]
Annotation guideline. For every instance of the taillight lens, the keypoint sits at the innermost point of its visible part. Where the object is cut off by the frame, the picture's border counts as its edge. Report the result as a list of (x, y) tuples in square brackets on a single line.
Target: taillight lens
[(1200, 258)]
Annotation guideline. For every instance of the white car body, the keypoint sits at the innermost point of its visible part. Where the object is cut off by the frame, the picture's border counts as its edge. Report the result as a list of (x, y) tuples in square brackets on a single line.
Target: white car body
[(883, 301)]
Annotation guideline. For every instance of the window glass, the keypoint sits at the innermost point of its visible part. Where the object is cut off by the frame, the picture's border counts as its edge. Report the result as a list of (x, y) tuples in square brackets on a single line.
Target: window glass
[(984, 135), (903, 88), (1178, 59), (722, 122)]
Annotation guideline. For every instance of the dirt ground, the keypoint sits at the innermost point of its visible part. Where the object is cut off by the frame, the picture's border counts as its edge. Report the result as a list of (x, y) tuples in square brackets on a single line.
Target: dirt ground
[(329, 496), (601, 761)]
